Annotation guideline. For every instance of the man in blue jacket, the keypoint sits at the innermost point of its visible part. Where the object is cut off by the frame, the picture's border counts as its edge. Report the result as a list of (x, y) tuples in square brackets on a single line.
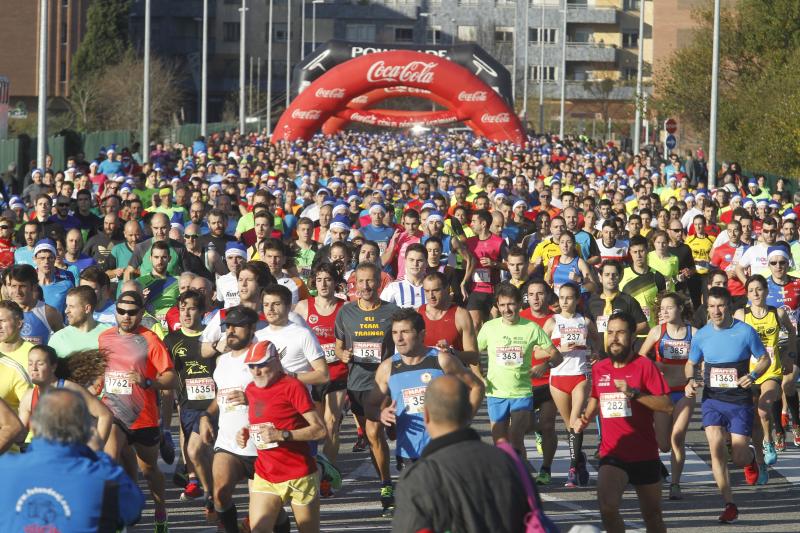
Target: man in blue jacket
[(60, 484)]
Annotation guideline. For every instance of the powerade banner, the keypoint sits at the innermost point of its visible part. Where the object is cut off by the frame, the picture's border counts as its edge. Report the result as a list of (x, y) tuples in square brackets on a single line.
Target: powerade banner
[(470, 56)]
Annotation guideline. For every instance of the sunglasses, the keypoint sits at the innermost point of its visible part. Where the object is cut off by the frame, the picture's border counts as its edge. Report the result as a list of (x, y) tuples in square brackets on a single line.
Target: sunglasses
[(778, 263), (5, 227), (676, 229), (265, 364), (128, 312), (190, 235)]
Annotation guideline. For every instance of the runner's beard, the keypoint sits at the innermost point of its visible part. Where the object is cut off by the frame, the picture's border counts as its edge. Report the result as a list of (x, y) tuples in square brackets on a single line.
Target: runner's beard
[(618, 353)]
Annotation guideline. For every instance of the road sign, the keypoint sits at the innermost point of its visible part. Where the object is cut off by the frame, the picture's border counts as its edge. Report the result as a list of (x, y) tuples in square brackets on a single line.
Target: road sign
[(671, 142), (671, 125)]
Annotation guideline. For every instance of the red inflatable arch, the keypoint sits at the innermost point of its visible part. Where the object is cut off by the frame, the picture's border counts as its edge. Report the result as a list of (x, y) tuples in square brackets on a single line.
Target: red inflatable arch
[(467, 98)]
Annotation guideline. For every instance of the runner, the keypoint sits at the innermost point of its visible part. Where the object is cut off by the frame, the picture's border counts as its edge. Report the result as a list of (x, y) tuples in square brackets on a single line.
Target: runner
[(626, 391), (611, 300), (661, 260), (12, 344), (669, 344), (404, 378), (726, 256), (490, 251), (568, 267), (40, 319), (83, 330), (362, 342), (641, 281), (509, 342), (726, 345), (408, 292), (138, 365), (280, 422)]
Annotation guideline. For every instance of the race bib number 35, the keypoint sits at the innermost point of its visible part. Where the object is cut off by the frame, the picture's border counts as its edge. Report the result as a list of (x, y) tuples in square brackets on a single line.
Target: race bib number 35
[(723, 378), (367, 352), (615, 405), (414, 399), (118, 382), (258, 441), (509, 356), (200, 389)]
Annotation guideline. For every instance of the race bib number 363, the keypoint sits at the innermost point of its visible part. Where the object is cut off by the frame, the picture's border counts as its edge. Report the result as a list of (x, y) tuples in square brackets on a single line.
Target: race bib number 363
[(200, 389), (508, 356), (414, 399), (615, 405), (118, 382), (723, 378), (367, 352)]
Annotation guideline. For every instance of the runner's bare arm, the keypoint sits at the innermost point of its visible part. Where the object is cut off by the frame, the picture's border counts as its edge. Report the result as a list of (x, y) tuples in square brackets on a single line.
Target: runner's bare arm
[(24, 411), (660, 403), (315, 430), (302, 309), (318, 376), (554, 356), (649, 341), (470, 354), (453, 366), (343, 353), (10, 427), (53, 318), (378, 397), (588, 414)]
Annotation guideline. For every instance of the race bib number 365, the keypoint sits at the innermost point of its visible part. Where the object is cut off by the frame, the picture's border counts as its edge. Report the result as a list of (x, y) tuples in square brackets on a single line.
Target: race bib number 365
[(118, 382), (200, 389), (414, 399), (509, 356), (723, 378), (615, 405), (367, 352)]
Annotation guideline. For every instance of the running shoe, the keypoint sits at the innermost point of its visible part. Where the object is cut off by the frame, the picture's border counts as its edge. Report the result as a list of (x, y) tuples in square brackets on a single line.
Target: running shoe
[(770, 455), (167, 448), (325, 490), (329, 471), (162, 527), (538, 438), (675, 492), (211, 513), (544, 477), (192, 490), (729, 514), (361, 443), (583, 472), (796, 435), (780, 441), (387, 500), (751, 473), (763, 475), (572, 478)]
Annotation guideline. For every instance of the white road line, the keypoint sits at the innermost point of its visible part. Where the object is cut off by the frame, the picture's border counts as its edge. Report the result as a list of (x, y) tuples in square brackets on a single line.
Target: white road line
[(630, 525), (788, 464), (695, 470)]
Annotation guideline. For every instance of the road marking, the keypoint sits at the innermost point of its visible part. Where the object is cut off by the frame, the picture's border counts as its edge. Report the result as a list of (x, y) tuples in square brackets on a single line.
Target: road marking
[(695, 470), (788, 465)]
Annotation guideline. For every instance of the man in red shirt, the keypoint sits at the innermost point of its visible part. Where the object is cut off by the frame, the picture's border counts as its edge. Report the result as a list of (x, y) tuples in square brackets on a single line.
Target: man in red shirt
[(283, 421), (626, 390), (726, 256), (138, 365), (7, 247)]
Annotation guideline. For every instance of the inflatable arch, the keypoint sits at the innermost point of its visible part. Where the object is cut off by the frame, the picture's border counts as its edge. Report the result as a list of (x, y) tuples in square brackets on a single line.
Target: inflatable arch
[(341, 94)]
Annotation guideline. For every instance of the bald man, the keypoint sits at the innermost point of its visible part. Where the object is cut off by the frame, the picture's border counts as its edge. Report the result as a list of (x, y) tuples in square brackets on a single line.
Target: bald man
[(431, 495), (140, 264), (123, 251), (99, 246)]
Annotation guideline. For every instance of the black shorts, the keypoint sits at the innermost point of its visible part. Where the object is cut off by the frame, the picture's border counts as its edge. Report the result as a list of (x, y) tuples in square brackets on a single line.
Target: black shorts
[(248, 462), (541, 395), (318, 392), (190, 420), (639, 472), (142, 436), (359, 405), (480, 301)]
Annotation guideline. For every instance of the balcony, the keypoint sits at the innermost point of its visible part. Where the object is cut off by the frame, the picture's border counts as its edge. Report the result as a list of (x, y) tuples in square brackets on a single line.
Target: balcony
[(589, 13), (593, 52)]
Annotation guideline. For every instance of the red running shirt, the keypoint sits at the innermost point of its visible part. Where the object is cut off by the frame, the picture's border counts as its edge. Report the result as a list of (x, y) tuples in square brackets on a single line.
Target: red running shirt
[(628, 433), (323, 327), (528, 314), (443, 329)]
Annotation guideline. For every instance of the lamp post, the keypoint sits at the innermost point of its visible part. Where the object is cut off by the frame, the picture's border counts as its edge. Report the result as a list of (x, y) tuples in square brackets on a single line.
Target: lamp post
[(41, 119), (712, 130), (288, 52), (204, 75), (314, 22), (302, 29), (269, 69), (637, 122), (242, 34), (541, 70), (563, 72), (526, 42), (146, 95)]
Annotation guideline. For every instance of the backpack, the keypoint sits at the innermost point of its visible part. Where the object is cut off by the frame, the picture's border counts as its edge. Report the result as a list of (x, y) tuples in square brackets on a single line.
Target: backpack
[(535, 520)]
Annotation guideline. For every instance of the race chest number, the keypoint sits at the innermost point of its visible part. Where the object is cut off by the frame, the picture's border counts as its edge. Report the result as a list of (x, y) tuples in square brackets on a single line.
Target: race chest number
[(572, 336), (414, 399), (258, 440), (200, 389), (330, 352), (615, 405), (602, 323), (676, 350), (723, 378), (224, 400), (508, 356), (367, 352), (482, 275), (118, 382)]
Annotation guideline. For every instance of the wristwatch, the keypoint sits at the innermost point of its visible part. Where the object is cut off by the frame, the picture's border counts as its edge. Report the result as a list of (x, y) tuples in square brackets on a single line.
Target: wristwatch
[(286, 434), (147, 383), (635, 393)]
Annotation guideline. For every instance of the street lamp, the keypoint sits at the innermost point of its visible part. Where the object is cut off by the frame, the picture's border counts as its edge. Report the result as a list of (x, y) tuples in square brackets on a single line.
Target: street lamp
[(242, 34), (41, 127), (146, 95), (314, 22), (637, 132), (563, 72), (712, 133), (269, 71), (204, 75), (288, 52)]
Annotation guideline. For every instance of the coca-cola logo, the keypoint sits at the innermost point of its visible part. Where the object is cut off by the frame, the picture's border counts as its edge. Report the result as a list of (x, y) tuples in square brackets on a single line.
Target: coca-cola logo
[(413, 72), (500, 118), (400, 89), (363, 99), (332, 94), (306, 114), (364, 119), (477, 96)]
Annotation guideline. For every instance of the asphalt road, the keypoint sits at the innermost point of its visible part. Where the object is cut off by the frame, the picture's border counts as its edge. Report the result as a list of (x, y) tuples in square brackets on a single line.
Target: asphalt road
[(355, 508)]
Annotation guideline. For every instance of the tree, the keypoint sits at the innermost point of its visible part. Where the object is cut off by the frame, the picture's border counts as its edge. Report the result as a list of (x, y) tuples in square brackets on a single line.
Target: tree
[(106, 39), (759, 86), (601, 91)]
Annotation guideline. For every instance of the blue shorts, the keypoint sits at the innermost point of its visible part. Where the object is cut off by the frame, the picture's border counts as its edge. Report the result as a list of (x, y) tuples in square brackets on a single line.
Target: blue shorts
[(500, 409), (676, 396), (734, 417), (190, 421)]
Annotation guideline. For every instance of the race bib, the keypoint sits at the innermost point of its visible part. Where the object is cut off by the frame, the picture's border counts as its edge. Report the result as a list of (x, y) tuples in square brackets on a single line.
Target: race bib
[(200, 389), (382, 246), (508, 356), (615, 405), (602, 323), (305, 272), (330, 352), (573, 336), (647, 312), (723, 378), (414, 399), (258, 440), (675, 350), (367, 352), (224, 401), (482, 275), (118, 382)]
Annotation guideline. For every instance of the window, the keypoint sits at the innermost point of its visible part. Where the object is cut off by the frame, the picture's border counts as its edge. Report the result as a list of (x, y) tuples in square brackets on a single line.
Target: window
[(631, 5), (63, 74), (404, 35), (467, 33), (504, 34), (64, 33), (434, 35), (279, 32), (360, 32), (629, 74), (548, 35), (468, 2), (630, 39), (230, 31), (549, 73)]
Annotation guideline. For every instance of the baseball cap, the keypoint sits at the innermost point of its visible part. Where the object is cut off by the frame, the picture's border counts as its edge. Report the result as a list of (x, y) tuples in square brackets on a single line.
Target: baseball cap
[(240, 316), (260, 353)]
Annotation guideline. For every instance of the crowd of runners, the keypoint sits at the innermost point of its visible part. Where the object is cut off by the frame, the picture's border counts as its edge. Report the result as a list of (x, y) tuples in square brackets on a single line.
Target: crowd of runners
[(261, 296)]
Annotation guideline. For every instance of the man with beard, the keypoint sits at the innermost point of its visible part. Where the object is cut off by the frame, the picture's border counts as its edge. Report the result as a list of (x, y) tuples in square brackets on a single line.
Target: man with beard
[(626, 391), (83, 330)]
